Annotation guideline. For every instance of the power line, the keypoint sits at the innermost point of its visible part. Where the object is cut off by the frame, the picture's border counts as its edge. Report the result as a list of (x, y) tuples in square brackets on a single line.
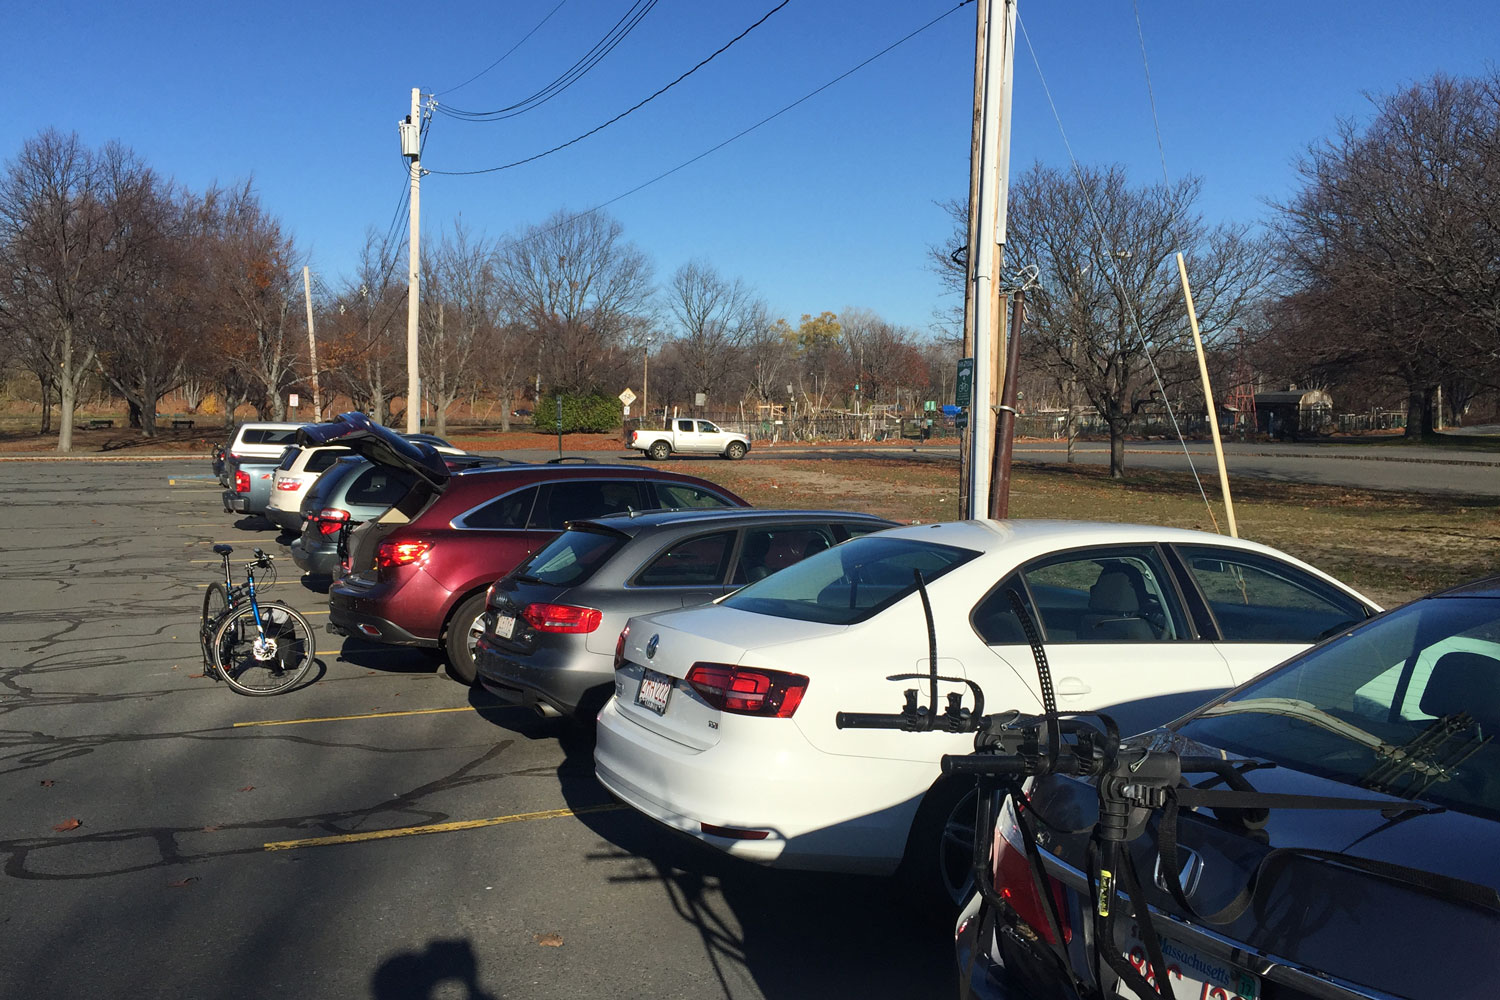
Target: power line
[(571, 75), (744, 132), (508, 51), (704, 62)]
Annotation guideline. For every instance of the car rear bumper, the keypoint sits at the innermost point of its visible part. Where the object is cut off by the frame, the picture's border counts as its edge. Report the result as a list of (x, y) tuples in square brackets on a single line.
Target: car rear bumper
[(821, 811), (998, 964), (318, 560), (364, 610), (286, 520), (563, 677), (234, 503)]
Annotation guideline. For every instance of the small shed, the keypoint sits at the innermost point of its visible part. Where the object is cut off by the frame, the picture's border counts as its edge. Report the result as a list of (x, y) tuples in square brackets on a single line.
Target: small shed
[(1294, 413)]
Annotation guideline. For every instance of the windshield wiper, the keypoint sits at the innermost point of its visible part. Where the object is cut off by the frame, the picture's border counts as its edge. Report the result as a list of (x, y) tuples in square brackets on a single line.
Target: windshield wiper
[(1306, 711)]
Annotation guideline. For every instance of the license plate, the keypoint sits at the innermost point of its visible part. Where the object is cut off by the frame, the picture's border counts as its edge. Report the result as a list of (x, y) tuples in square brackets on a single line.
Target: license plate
[(1193, 976), (505, 626), (654, 691)]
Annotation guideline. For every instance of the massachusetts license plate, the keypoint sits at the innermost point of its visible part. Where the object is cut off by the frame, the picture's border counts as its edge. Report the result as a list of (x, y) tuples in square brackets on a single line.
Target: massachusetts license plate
[(505, 626), (654, 691), (1193, 976)]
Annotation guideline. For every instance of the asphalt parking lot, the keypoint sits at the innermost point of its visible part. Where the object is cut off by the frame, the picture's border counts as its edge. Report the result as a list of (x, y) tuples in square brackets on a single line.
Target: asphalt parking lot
[(379, 832)]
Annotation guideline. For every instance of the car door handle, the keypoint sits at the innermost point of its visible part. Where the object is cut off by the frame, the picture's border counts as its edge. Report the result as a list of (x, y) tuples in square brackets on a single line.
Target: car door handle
[(1072, 686)]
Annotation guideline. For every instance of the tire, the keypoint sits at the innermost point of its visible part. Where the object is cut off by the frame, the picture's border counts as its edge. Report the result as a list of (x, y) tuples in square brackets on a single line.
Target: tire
[(735, 451), (270, 671), (464, 629), (215, 604), (938, 867), (659, 451)]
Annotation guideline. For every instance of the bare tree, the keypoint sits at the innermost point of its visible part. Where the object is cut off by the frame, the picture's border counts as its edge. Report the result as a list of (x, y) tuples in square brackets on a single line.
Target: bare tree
[(1394, 243), (713, 317), (55, 233), (1108, 315), (256, 291), (575, 283), (461, 317)]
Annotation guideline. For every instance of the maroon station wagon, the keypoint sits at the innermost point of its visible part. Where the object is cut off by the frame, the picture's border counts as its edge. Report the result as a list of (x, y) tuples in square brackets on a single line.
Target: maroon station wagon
[(417, 574)]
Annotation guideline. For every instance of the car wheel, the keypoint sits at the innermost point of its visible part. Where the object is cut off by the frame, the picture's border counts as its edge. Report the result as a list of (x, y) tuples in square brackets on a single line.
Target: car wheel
[(939, 862), (464, 630), (735, 451), (659, 451)]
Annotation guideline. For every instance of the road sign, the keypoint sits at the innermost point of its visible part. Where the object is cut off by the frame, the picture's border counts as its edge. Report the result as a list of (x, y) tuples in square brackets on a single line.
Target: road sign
[(627, 397), (929, 405), (961, 420), (963, 393)]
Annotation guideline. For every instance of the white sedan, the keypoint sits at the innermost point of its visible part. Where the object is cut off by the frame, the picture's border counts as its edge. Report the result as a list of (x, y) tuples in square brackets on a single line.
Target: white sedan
[(722, 724)]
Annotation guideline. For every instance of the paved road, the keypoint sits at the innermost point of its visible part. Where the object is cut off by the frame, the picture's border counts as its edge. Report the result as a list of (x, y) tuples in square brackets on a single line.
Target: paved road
[(1376, 467), (173, 886)]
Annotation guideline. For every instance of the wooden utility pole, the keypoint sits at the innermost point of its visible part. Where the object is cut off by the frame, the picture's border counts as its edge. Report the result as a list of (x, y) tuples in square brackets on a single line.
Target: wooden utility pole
[(312, 344), (1208, 398), (971, 255), (990, 243), (411, 148)]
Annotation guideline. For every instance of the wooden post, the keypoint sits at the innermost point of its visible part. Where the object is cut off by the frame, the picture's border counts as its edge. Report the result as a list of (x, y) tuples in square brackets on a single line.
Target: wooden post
[(1208, 397)]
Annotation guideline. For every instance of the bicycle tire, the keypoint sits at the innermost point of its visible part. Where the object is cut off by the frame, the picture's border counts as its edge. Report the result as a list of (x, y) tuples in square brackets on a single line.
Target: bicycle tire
[(215, 606), (271, 671)]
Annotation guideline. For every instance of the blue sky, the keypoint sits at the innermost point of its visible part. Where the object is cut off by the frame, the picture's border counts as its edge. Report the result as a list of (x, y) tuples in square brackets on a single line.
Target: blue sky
[(829, 206)]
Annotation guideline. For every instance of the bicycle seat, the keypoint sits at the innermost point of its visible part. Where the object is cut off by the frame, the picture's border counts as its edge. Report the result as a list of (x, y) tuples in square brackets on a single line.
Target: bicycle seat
[(223, 550)]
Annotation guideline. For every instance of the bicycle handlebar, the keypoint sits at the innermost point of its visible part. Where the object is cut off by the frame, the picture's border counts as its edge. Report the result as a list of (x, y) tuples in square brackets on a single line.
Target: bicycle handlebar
[(871, 720)]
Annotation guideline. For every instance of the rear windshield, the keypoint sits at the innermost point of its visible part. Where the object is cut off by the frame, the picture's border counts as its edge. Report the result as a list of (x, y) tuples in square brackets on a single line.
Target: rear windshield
[(323, 458), (570, 558), (268, 435), (288, 458), (849, 583), (1408, 705)]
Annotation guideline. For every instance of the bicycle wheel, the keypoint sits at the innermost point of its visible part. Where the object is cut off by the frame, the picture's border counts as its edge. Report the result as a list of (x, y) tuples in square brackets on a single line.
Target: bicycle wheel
[(215, 603), (253, 667)]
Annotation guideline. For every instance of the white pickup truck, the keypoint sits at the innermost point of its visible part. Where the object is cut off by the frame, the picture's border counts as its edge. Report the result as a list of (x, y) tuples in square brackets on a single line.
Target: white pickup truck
[(690, 437)]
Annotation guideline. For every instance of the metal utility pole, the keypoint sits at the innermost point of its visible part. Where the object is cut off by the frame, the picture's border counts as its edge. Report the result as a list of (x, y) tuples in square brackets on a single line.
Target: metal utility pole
[(971, 256), (411, 148), (990, 239), (312, 344)]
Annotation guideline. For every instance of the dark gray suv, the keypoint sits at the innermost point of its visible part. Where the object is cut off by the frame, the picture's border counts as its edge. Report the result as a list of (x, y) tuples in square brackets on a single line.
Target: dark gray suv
[(551, 625)]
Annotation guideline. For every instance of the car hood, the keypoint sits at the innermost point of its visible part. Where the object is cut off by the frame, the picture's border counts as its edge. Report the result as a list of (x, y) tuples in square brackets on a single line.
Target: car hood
[(1314, 911), (363, 436)]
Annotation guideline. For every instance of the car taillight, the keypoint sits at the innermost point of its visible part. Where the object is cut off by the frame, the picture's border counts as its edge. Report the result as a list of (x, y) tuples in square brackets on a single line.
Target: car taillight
[(747, 691), (289, 484), (241, 481), (561, 618), (400, 553), (1014, 882), (620, 646), (331, 519)]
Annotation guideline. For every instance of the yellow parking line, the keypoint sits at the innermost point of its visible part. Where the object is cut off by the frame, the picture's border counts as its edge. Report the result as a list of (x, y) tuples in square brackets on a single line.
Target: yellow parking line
[(347, 718), (258, 586), (414, 831)]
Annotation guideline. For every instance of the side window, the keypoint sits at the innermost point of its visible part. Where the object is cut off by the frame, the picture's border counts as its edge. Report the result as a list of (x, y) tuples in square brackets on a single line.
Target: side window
[(682, 496), (510, 511), (1255, 598), (767, 550), (1105, 595), (379, 485), (692, 562), (323, 459), (574, 501), (288, 459), (855, 530), (704, 427), (685, 426), (994, 618)]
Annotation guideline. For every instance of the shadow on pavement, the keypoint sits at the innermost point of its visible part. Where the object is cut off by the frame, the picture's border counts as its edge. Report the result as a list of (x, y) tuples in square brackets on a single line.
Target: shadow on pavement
[(417, 975), (390, 659), (797, 934)]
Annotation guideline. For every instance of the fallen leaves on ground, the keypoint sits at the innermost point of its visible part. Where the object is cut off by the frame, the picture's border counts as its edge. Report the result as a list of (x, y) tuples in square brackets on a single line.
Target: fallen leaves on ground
[(46, 782), (548, 940), (248, 788), (182, 882), (68, 824)]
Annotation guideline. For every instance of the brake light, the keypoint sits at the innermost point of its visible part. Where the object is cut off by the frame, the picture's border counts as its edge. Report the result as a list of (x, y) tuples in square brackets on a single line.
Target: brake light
[(1015, 884), (331, 519), (400, 553), (241, 481), (620, 646), (561, 618), (746, 691), (288, 484)]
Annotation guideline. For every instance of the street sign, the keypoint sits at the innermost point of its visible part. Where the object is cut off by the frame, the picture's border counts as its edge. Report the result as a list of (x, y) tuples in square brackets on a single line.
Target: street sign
[(929, 405), (627, 409), (961, 420), (963, 393), (292, 402), (627, 397)]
